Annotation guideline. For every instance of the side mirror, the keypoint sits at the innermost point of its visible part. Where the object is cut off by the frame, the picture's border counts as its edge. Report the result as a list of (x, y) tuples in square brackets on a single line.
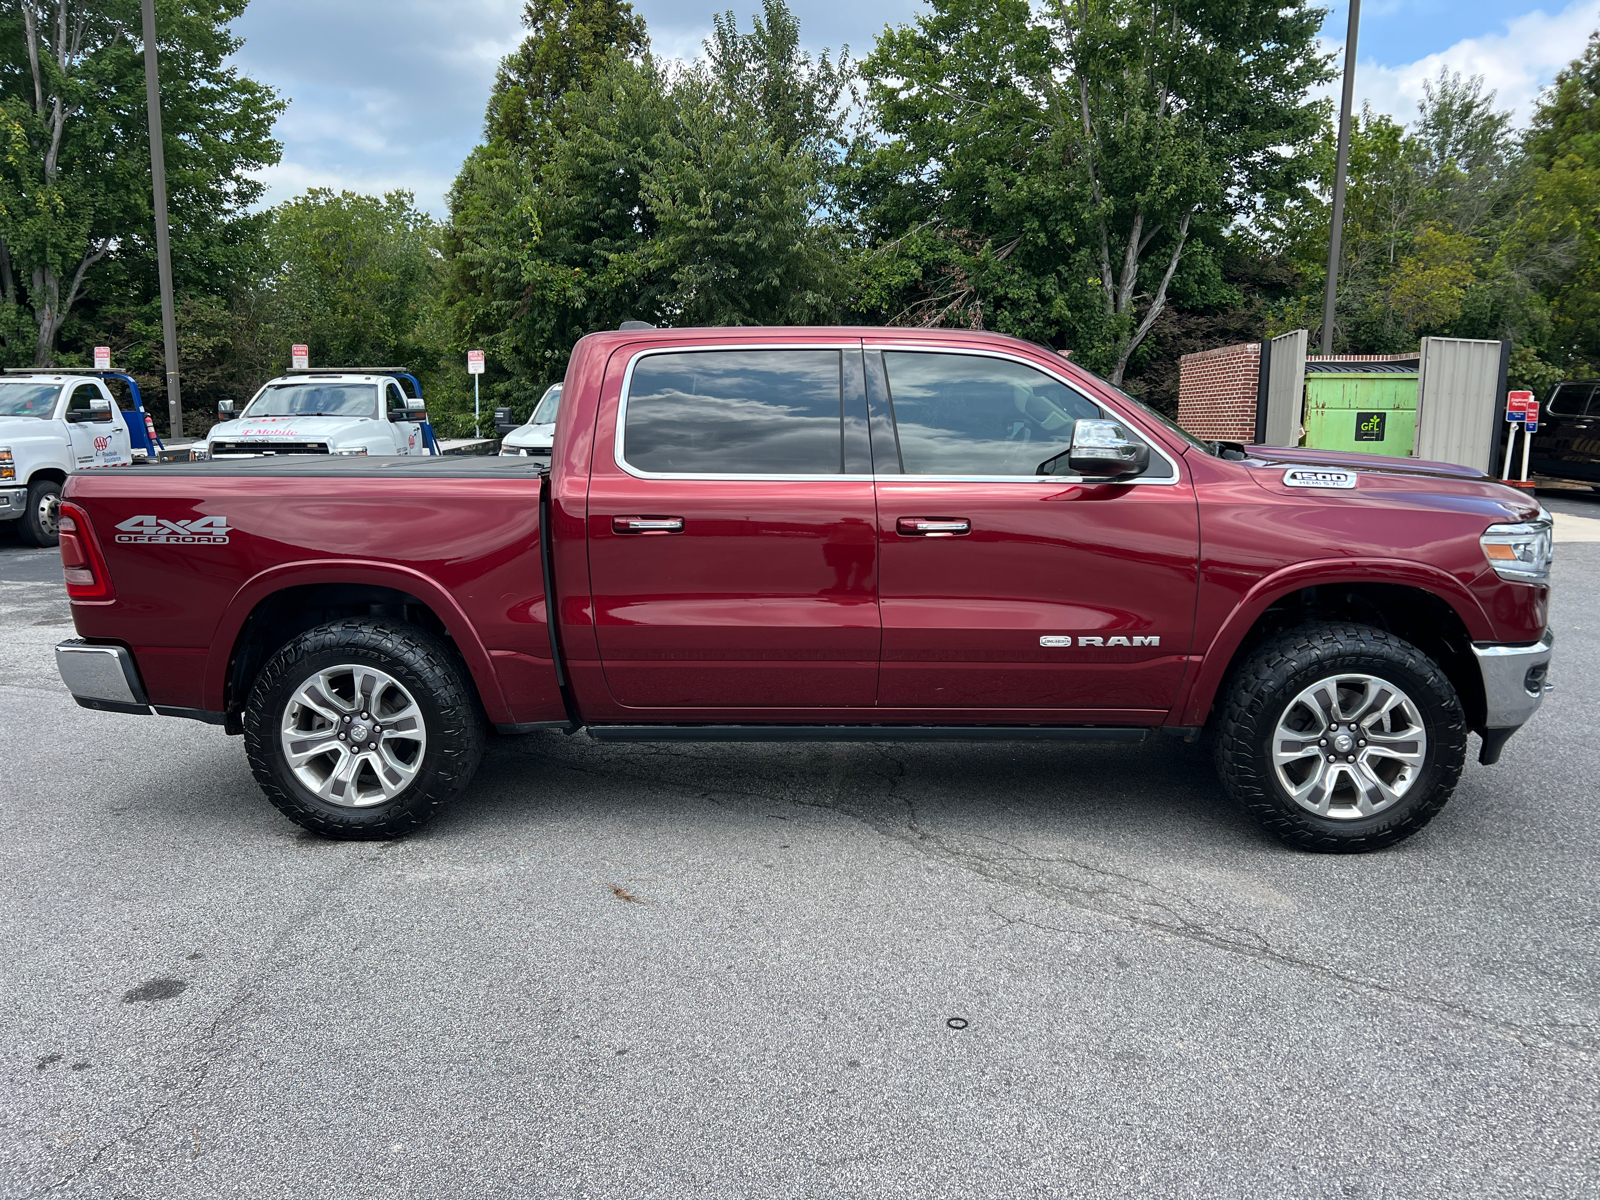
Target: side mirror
[(224, 410), (416, 409), (100, 410), (504, 422), (1103, 451)]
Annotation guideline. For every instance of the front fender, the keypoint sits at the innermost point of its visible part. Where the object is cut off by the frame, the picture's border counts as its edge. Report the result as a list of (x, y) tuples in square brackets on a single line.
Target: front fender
[(360, 571), (1217, 656)]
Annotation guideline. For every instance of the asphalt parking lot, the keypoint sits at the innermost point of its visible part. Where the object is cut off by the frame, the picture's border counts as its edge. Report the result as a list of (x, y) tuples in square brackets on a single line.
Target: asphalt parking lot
[(733, 970)]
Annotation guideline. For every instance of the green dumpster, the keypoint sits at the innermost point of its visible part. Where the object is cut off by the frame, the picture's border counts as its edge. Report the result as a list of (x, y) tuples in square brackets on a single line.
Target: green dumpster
[(1370, 408)]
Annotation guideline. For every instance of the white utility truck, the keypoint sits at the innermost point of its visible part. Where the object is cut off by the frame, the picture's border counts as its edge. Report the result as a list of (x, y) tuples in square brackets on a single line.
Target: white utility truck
[(53, 423), (357, 410)]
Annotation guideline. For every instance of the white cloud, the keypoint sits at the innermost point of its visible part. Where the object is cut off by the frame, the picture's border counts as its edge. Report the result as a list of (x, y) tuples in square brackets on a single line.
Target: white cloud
[(1515, 63)]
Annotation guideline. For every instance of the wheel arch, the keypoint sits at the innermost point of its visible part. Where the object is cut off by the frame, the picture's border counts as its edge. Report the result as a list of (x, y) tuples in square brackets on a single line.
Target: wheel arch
[(276, 605), (52, 474), (1425, 606)]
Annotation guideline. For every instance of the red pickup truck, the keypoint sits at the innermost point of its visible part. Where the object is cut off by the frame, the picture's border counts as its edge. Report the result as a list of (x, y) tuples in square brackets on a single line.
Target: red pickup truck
[(829, 534)]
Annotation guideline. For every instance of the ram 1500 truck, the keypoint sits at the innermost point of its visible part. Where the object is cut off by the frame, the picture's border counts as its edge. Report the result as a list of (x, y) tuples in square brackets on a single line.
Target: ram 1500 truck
[(829, 534)]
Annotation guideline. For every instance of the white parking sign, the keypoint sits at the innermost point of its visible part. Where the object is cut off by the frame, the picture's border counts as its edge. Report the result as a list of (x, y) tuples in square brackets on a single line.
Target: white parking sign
[(474, 362)]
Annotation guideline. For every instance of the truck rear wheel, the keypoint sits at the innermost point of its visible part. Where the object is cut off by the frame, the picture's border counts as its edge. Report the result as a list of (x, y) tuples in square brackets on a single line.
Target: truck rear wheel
[(1341, 738), (362, 729), (41, 523)]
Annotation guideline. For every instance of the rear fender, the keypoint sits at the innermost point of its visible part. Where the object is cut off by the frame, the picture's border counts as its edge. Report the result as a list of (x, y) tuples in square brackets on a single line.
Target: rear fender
[(353, 571), (1193, 708)]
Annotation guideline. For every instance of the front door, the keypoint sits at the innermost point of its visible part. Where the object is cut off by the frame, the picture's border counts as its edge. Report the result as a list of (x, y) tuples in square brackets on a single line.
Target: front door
[(731, 531), (1002, 589), (96, 439), (407, 434)]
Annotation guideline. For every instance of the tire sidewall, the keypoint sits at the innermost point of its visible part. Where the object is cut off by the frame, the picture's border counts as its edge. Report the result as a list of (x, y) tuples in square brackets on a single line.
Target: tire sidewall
[(32, 529), (1437, 718), (274, 689)]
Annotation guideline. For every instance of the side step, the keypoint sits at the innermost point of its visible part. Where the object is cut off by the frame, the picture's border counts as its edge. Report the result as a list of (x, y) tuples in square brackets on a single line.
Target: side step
[(867, 733)]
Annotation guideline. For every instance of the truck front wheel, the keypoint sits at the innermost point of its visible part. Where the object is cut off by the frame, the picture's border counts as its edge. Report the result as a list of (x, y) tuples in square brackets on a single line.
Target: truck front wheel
[(362, 729), (1341, 738), (40, 524)]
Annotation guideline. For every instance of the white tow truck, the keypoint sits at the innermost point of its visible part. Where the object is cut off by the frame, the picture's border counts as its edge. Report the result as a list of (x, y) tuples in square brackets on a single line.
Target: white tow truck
[(358, 410), (52, 424)]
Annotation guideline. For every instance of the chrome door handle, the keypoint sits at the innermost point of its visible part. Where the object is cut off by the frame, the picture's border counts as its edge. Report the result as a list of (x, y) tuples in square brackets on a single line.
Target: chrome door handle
[(647, 524), (932, 526)]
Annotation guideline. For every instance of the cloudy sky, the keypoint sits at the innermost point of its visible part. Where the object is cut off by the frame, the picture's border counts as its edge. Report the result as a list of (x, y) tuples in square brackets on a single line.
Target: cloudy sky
[(390, 93)]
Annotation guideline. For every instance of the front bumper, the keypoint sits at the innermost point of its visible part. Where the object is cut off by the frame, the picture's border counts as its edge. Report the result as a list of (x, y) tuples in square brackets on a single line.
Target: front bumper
[(1515, 679), (102, 677), (13, 503)]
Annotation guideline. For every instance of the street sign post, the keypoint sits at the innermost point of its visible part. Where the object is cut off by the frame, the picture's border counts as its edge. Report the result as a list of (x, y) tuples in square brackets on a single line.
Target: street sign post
[(1521, 409), (475, 369), (299, 357)]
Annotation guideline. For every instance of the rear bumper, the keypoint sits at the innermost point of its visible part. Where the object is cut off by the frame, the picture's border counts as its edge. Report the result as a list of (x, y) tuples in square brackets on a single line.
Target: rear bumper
[(102, 677)]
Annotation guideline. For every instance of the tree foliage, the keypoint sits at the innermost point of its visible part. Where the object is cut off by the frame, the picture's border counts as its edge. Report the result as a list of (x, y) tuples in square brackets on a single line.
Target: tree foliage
[(75, 186)]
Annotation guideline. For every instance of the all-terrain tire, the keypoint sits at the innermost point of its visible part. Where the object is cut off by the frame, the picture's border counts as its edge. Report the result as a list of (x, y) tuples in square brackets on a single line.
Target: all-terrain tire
[(41, 521), (1264, 687), (423, 666)]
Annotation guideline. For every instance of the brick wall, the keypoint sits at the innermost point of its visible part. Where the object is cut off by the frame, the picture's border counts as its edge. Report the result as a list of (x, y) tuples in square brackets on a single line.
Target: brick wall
[(1217, 392)]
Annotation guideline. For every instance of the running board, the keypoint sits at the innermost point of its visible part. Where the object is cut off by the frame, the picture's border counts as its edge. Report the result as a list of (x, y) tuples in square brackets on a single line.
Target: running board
[(867, 733)]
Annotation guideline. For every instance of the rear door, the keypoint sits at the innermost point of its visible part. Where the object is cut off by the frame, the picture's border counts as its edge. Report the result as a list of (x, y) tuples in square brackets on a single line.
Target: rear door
[(1006, 590), (732, 539)]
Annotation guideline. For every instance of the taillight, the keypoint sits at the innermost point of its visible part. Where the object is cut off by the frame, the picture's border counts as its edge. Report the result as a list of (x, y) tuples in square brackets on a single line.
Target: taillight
[(81, 563)]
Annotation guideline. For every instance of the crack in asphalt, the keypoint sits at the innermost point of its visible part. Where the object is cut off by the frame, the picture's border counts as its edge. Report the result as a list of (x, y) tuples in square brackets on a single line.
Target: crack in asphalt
[(208, 1045), (1105, 892)]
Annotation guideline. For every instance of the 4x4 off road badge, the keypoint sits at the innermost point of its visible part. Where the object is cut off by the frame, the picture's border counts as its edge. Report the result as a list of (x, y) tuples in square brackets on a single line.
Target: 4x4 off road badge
[(202, 531), (1319, 477)]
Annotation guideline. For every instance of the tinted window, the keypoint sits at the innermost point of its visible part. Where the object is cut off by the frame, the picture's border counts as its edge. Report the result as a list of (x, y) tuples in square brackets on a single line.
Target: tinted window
[(736, 412), (1568, 399), (961, 414), (79, 401)]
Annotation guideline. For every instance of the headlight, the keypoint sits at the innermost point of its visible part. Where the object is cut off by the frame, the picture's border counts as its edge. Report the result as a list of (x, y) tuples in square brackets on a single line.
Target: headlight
[(1521, 552), (199, 453), (347, 453), (8, 468)]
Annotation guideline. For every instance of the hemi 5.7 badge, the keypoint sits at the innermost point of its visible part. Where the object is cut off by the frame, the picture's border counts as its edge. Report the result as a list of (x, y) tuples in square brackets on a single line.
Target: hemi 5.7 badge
[(1319, 477), (147, 531)]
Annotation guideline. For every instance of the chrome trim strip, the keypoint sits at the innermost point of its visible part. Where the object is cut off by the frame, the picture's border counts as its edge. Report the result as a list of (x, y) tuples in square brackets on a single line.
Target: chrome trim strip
[(1054, 480)]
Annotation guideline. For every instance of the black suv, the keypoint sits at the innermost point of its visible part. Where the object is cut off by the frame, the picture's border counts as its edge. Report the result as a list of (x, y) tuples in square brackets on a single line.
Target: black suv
[(1567, 445)]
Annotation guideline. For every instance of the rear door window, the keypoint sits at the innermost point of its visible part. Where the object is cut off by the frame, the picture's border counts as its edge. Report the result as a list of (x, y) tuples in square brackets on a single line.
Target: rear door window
[(735, 412), (1570, 399)]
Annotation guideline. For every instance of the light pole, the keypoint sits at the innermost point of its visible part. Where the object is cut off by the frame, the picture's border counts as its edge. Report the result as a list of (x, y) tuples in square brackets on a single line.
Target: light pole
[(1341, 162), (158, 174)]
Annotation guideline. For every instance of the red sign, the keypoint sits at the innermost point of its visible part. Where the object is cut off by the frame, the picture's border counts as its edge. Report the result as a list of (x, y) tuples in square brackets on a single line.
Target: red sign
[(1517, 405), (299, 357), (474, 362), (102, 358)]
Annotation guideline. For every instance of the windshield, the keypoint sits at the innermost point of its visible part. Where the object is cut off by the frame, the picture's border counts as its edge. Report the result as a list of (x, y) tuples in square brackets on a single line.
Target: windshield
[(316, 400), (545, 412), (28, 399)]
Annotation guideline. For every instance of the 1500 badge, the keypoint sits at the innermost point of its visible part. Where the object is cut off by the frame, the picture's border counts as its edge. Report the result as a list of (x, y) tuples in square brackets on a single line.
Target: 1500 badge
[(202, 531)]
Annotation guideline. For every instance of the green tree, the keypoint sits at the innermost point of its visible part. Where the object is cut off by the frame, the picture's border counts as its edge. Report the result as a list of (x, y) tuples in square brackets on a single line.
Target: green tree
[(1049, 173), (75, 175), (566, 46)]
